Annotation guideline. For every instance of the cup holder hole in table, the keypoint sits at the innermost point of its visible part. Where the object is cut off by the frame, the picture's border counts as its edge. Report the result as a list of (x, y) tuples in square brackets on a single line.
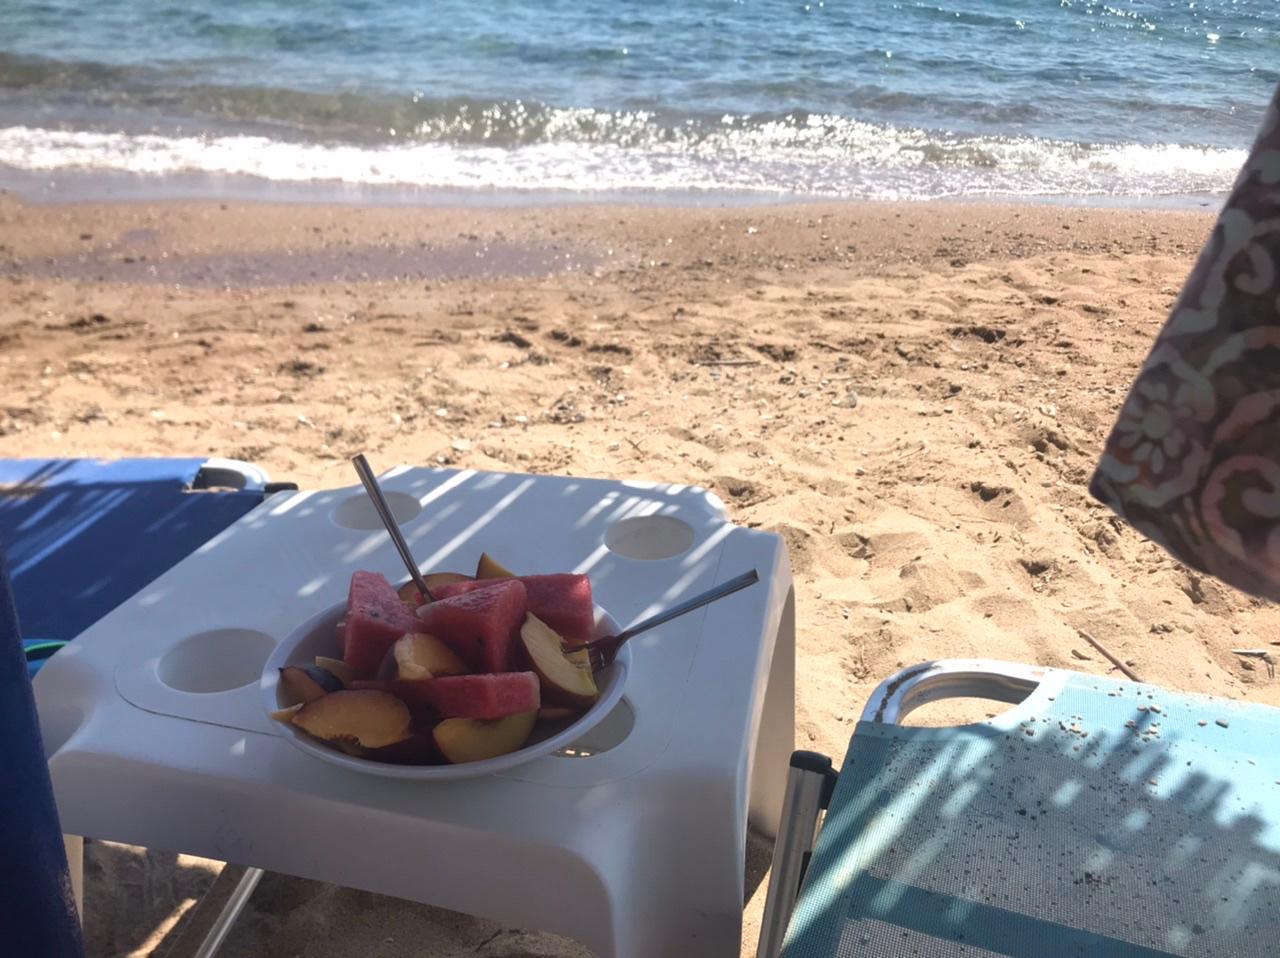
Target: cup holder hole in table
[(357, 512), (610, 733), (649, 537), (216, 661)]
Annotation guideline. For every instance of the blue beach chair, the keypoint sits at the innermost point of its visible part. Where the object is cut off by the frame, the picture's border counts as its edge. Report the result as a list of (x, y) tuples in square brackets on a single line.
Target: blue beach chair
[(82, 536), (1094, 818)]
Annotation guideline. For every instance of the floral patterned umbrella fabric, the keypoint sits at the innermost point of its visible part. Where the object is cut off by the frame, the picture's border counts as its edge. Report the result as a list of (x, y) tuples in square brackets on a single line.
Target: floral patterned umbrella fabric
[(1194, 459)]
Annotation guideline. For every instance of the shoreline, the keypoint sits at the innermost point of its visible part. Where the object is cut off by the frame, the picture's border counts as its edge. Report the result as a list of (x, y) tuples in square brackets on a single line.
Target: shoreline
[(62, 187), (247, 245)]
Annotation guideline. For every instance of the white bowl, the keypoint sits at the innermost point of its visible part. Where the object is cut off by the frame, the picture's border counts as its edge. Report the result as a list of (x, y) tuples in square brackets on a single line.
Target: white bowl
[(318, 636)]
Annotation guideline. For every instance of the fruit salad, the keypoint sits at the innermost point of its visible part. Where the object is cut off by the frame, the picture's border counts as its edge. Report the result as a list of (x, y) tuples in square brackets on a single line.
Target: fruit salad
[(464, 676)]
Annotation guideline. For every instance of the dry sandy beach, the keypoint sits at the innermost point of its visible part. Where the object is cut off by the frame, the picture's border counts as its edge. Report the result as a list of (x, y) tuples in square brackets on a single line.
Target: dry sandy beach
[(913, 396)]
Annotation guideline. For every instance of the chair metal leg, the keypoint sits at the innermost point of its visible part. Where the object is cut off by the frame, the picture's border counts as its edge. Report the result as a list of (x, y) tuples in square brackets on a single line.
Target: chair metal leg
[(809, 783), (230, 912)]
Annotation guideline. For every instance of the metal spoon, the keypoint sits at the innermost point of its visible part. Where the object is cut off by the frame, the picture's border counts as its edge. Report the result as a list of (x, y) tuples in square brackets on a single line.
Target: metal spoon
[(365, 472), (603, 650)]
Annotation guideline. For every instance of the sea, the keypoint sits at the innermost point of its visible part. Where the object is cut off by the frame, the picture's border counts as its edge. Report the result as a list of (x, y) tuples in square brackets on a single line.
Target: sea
[(727, 100)]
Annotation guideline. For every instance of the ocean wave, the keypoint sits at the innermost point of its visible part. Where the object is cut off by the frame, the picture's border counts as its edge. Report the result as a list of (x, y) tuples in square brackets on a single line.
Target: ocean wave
[(591, 150), (219, 96)]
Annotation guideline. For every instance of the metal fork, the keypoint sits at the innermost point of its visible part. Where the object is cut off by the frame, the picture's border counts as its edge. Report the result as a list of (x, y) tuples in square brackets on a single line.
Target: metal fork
[(604, 650)]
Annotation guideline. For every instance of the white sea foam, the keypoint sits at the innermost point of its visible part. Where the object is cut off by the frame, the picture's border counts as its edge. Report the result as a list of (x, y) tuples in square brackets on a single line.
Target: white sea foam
[(813, 156)]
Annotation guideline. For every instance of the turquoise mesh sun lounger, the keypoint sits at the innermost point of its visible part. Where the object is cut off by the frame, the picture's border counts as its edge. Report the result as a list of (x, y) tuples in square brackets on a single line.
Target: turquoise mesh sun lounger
[(1094, 818)]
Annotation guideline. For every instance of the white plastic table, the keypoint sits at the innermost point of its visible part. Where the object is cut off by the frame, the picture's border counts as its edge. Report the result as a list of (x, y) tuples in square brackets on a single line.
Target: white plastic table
[(633, 842)]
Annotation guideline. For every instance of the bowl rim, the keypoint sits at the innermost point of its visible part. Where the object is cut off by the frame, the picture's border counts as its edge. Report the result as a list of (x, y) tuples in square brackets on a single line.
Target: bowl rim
[(611, 694)]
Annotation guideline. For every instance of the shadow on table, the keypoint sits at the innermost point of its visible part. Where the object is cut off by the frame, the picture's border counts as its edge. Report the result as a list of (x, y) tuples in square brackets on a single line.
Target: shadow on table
[(653, 532)]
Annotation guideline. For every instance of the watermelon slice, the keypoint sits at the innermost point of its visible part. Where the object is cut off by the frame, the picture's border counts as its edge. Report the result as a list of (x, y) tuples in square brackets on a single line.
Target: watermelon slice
[(563, 601), (466, 696), (481, 625), (376, 617)]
